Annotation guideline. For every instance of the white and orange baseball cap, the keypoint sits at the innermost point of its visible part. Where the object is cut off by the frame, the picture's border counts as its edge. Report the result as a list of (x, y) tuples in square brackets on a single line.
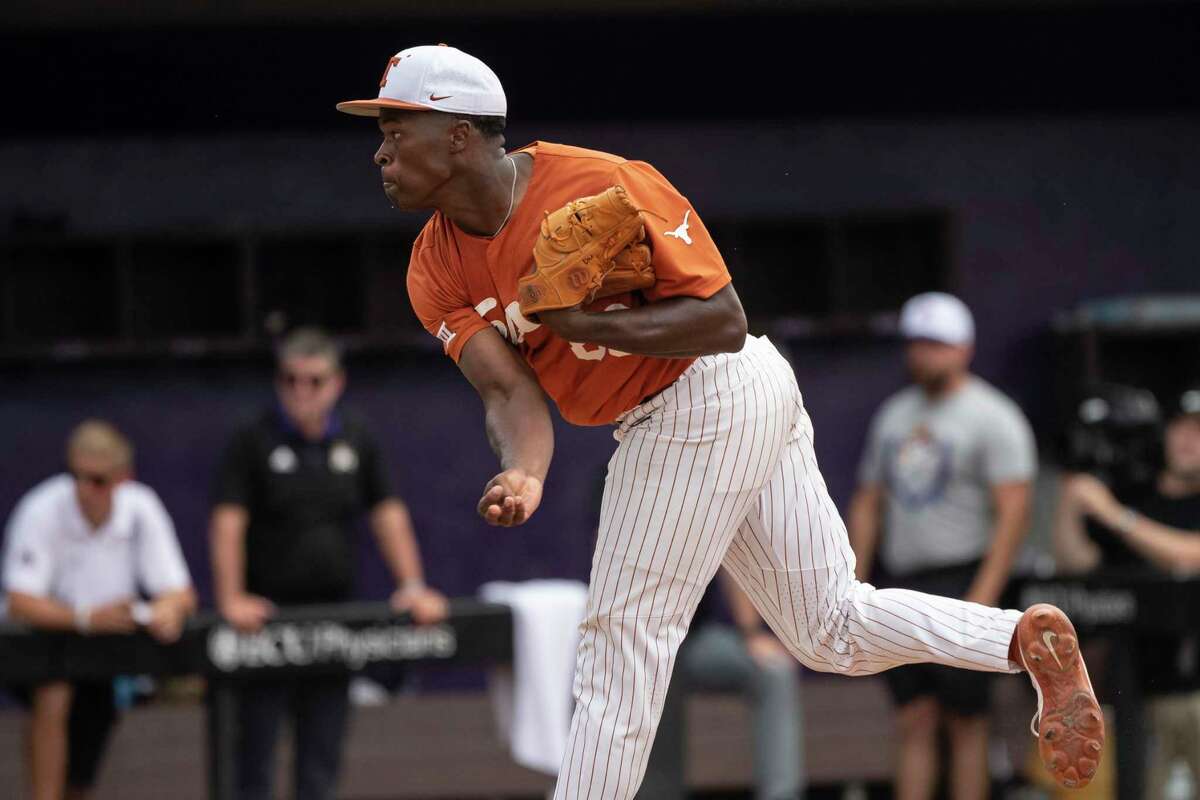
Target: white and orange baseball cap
[(435, 78)]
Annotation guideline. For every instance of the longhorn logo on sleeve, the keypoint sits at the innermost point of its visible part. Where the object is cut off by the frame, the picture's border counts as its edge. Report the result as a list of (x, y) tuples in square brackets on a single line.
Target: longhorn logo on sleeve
[(682, 231)]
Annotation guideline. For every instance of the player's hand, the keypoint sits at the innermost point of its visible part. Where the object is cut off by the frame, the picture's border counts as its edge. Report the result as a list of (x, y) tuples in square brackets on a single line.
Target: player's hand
[(112, 618), (767, 651), (427, 606), (510, 498), (166, 620), (247, 612)]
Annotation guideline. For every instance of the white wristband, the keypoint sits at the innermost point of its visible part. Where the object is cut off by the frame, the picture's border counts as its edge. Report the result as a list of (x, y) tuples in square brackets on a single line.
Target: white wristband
[(1129, 520), (142, 613), (83, 619)]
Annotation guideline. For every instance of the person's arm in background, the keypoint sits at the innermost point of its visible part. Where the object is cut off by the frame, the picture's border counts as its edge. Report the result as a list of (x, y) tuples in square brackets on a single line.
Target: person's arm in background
[(762, 645), (1171, 549), (518, 427), (393, 529), (394, 534), (1010, 511), (1074, 552), (233, 498), (227, 540), (864, 518), (863, 524), (1009, 467), (48, 614), (162, 571)]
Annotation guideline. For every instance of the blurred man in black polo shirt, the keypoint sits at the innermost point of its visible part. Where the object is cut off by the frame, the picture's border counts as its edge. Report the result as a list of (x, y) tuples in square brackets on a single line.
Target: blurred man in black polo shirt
[(290, 489), (1157, 529)]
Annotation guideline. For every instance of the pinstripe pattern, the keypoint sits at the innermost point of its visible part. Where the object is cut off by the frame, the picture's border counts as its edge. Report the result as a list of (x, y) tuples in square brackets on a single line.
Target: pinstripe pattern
[(720, 469)]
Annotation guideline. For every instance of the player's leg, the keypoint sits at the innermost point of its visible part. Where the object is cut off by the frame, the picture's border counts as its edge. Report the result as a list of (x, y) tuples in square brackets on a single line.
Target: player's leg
[(793, 558), (688, 465), (666, 766)]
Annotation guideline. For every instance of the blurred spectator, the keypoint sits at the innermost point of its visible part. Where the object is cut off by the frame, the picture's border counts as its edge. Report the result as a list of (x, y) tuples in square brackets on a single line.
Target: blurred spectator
[(291, 486), (944, 491), (80, 546), (744, 657), (1157, 527)]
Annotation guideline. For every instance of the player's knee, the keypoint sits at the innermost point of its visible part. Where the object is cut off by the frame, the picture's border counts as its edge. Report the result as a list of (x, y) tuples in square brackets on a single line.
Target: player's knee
[(918, 718)]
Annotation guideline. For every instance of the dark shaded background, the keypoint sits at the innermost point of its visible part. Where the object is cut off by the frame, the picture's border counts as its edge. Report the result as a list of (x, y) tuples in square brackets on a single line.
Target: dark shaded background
[(1027, 157)]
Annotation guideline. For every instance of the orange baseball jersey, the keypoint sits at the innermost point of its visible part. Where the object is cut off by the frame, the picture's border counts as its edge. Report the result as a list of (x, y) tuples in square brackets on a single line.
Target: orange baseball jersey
[(459, 283)]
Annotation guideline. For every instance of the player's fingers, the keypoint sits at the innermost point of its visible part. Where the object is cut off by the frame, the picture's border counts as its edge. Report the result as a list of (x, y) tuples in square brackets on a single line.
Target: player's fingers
[(490, 497), (492, 514)]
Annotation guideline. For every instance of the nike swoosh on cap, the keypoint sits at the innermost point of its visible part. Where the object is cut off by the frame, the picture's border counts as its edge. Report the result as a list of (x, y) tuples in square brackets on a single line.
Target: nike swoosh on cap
[(440, 97)]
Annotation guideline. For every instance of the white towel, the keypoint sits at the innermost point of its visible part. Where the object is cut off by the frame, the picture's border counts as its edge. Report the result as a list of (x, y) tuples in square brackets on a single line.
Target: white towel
[(532, 702)]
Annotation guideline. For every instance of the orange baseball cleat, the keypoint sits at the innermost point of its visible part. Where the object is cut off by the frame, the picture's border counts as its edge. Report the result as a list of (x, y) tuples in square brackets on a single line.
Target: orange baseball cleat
[(1069, 724)]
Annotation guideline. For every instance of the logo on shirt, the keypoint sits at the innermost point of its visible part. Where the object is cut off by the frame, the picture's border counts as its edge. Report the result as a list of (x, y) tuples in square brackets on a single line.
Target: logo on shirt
[(918, 469), (282, 459), (343, 458), (445, 334), (682, 231)]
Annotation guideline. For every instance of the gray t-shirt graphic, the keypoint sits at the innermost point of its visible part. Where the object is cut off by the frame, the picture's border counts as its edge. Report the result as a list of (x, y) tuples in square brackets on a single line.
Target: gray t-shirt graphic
[(937, 463)]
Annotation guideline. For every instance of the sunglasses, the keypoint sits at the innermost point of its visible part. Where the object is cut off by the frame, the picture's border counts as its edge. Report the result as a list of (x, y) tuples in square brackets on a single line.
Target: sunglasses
[(98, 480), (291, 380)]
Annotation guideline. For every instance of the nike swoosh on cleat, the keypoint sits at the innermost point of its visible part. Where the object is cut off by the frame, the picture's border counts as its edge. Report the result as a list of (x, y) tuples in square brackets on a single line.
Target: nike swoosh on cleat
[(1049, 638)]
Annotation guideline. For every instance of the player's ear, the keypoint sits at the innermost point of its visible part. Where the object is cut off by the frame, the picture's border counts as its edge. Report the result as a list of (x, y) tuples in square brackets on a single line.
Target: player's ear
[(460, 134)]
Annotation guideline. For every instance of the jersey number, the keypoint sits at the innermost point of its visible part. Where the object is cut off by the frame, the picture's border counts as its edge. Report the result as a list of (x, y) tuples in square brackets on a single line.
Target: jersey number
[(515, 326)]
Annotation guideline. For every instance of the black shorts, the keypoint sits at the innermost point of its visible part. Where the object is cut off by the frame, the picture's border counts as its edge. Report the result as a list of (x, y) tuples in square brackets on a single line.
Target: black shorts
[(964, 692), (92, 717)]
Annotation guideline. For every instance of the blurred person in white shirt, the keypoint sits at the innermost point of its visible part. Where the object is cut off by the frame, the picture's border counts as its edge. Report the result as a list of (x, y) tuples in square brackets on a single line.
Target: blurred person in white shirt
[(82, 548)]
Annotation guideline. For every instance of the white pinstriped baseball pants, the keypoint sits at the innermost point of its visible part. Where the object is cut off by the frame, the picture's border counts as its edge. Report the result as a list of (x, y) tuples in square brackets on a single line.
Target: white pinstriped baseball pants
[(719, 469)]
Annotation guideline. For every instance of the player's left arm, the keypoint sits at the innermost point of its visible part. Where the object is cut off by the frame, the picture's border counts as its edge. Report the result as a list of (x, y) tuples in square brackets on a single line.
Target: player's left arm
[(677, 327), (1010, 504), (692, 309)]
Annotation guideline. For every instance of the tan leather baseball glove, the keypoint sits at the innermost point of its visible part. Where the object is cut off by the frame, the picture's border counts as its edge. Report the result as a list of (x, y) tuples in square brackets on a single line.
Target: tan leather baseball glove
[(580, 248)]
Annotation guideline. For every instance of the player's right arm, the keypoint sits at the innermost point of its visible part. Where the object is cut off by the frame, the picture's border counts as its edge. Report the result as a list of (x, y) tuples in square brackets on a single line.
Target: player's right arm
[(863, 524), (518, 427)]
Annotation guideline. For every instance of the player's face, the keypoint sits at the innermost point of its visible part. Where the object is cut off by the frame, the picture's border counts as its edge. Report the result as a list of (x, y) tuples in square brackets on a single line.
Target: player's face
[(414, 158), (309, 388), (933, 365), (96, 477), (1183, 447)]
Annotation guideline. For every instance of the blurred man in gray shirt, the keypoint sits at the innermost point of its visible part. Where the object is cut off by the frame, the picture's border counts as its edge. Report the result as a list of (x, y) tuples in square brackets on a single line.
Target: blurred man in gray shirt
[(943, 497)]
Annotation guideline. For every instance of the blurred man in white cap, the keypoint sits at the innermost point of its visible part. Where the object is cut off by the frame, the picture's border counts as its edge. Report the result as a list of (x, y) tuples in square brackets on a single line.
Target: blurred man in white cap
[(943, 498)]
